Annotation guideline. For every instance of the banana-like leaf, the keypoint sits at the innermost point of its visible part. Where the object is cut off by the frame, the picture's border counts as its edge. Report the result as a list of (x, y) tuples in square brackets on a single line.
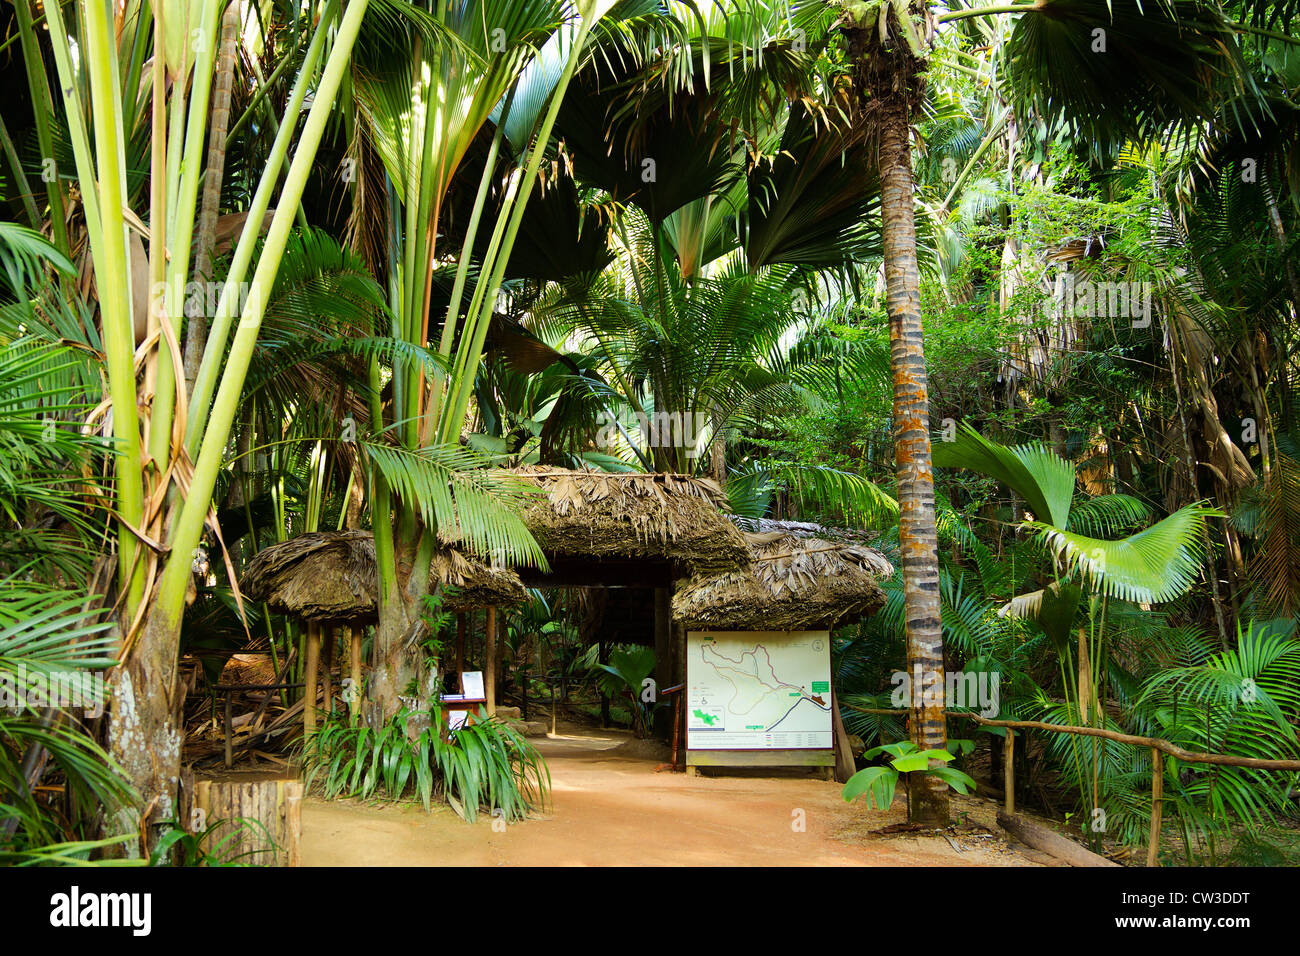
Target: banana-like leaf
[(1042, 478), (878, 783)]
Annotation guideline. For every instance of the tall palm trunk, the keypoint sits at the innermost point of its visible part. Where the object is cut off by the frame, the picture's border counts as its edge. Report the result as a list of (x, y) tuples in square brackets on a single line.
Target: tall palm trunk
[(890, 80)]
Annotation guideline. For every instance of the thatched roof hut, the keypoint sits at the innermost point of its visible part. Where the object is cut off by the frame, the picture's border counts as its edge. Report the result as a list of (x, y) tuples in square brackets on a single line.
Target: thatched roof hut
[(477, 583), (332, 577), (596, 515), (796, 583)]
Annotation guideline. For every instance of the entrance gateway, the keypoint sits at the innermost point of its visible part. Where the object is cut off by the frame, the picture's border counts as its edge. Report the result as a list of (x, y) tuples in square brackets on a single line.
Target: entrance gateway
[(759, 699)]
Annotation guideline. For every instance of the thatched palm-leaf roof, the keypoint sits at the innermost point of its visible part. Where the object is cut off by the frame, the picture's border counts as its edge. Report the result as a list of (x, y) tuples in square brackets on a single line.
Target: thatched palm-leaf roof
[(332, 577), (596, 514), (477, 584), (795, 583)]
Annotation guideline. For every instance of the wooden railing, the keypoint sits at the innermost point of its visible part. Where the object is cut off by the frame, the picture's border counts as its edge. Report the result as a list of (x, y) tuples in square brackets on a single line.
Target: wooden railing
[(1159, 748)]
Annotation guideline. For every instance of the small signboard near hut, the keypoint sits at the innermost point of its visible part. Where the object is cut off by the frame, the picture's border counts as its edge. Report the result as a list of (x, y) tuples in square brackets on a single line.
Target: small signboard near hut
[(752, 692)]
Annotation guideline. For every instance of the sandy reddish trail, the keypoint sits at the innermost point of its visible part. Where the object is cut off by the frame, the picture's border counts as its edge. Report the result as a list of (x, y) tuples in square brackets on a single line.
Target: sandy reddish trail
[(615, 811)]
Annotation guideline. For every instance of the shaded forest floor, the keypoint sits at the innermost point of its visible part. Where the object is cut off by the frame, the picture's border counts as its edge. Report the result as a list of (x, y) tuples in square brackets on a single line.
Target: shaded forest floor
[(611, 806)]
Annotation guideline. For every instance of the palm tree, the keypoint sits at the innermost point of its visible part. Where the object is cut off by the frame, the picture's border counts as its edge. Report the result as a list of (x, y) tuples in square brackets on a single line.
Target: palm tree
[(1106, 70), (466, 64), (1154, 565), (171, 441)]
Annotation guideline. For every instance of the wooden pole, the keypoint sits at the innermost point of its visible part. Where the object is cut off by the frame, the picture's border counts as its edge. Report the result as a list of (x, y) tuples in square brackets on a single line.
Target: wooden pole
[(329, 635), (356, 671), (1157, 805), (309, 679), (490, 660), (844, 764), (460, 647), (1009, 771), (230, 762)]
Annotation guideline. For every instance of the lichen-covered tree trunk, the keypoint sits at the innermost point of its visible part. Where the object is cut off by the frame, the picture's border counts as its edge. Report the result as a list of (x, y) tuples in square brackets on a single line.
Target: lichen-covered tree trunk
[(144, 729), (891, 81), (401, 627)]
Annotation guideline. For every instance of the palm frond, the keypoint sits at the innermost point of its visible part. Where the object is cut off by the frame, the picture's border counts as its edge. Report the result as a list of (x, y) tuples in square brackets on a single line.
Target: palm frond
[(1149, 567)]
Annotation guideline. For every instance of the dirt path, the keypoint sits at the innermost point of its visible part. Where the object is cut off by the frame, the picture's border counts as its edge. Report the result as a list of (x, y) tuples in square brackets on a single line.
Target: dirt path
[(612, 810)]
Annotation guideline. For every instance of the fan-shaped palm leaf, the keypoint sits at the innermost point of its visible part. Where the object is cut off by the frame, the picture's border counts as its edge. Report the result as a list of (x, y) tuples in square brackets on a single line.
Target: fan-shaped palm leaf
[(1149, 567)]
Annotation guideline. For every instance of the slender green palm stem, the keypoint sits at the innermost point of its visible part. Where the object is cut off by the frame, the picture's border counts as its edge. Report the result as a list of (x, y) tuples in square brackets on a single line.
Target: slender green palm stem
[(381, 501), (205, 382), (263, 90), (106, 167), (989, 138), (987, 11), (189, 526), (465, 384), (20, 177), (43, 103), (466, 253), (274, 123), (180, 233)]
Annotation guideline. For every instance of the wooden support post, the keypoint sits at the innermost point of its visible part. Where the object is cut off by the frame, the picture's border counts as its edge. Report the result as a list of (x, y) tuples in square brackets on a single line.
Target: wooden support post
[(663, 654), (460, 647), (309, 679), (1157, 805), (677, 708), (603, 657), (1009, 771), (329, 635), (844, 765), (229, 757), (355, 702), (490, 660)]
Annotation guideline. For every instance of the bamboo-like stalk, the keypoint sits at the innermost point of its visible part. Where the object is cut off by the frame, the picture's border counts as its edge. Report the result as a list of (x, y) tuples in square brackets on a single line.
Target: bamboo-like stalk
[(189, 525), (106, 168), (182, 214), (196, 331), (205, 381), (476, 330), (1157, 805), (39, 85), (466, 253)]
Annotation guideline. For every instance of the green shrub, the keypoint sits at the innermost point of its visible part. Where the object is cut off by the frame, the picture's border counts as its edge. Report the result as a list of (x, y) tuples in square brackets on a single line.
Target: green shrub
[(483, 765)]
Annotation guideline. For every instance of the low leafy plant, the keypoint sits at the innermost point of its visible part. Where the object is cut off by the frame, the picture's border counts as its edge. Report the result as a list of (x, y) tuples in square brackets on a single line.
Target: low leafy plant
[(180, 847), (626, 673), (880, 782), (485, 764)]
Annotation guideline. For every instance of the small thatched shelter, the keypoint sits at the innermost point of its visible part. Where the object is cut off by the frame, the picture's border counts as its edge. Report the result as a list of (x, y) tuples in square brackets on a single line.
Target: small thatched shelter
[(796, 583), (331, 577), (594, 516), (477, 584), (325, 577)]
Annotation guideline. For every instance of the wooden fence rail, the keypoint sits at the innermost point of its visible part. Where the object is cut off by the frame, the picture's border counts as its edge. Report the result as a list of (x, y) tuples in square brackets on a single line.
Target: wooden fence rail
[(1158, 746)]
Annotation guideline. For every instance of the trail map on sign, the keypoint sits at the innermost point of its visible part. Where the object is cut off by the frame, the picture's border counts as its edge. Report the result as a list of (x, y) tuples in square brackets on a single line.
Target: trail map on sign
[(758, 690)]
